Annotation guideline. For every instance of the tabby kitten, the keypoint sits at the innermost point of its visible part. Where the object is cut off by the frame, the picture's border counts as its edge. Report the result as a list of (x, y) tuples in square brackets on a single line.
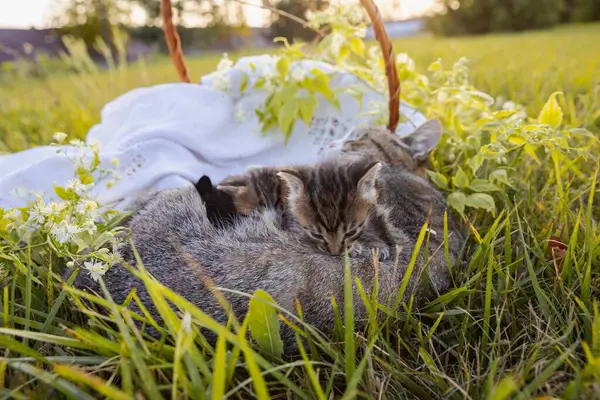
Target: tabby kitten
[(260, 187), (410, 152), (335, 205)]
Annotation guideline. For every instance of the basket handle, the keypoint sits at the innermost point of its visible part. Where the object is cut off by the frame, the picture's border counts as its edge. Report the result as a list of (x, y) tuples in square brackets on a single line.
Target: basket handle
[(173, 40), (389, 59), (387, 49)]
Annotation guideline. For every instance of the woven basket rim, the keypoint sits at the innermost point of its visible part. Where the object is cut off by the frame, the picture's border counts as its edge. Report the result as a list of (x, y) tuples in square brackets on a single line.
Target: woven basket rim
[(387, 49)]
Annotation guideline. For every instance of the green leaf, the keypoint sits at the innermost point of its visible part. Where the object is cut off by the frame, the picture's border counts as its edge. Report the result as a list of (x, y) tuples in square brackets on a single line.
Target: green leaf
[(287, 115), (62, 192), (551, 113), (457, 200), (307, 106), (244, 84), (476, 162), (499, 175), (461, 179), (481, 185), (344, 52), (357, 46), (283, 66), (264, 323), (504, 389), (517, 139), (435, 66), (480, 200), (440, 180)]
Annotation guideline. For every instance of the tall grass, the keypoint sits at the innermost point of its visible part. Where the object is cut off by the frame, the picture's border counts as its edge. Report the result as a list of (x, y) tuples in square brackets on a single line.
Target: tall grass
[(521, 321)]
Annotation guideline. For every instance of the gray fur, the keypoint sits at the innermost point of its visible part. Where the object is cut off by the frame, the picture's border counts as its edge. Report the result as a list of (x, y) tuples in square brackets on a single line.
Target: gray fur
[(255, 253)]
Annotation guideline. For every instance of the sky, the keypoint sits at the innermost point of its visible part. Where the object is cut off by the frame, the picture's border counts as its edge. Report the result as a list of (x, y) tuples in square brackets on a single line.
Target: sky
[(34, 13)]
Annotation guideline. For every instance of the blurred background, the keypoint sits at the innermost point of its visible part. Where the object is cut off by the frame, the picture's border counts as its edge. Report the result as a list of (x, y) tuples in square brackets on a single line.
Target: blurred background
[(62, 60)]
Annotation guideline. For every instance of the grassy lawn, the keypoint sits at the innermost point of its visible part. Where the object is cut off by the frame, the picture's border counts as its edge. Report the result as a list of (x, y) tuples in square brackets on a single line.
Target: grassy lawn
[(520, 322), (525, 68)]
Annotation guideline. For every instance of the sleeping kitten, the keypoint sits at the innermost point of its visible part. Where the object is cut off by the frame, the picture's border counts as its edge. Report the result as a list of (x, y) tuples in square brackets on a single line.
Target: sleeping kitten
[(332, 203), (335, 205), (259, 187), (410, 152)]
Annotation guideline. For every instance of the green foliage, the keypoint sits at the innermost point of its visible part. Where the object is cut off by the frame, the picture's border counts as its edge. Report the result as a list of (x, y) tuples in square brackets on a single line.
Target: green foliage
[(521, 320), (264, 324), (484, 16), (584, 10)]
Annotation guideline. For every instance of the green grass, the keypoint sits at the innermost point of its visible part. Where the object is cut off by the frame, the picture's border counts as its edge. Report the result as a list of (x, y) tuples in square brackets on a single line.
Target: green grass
[(525, 68), (518, 323)]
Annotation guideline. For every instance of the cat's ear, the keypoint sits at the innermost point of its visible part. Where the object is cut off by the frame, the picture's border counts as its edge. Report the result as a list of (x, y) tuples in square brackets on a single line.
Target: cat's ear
[(424, 139), (366, 184), (204, 185), (294, 182), (234, 191)]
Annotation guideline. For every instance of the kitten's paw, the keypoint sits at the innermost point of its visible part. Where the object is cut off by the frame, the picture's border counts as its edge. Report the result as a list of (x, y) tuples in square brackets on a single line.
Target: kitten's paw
[(384, 253), (357, 250)]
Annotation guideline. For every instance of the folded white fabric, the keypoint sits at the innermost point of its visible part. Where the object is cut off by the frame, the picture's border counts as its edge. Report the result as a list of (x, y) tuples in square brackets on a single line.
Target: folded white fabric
[(169, 135)]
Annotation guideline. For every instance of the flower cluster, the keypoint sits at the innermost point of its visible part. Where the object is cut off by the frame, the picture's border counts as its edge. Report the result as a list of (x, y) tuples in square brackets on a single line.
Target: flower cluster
[(222, 78), (74, 226)]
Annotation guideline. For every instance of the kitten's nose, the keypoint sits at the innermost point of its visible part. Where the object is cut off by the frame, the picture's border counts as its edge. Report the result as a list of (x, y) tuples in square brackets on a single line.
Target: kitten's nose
[(335, 250)]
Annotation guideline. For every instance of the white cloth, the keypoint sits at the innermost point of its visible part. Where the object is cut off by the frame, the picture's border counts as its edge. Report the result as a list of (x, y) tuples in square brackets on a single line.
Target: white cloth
[(169, 135)]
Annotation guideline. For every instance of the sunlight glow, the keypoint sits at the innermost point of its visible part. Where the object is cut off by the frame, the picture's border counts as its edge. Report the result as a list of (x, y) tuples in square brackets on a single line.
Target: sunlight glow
[(35, 13)]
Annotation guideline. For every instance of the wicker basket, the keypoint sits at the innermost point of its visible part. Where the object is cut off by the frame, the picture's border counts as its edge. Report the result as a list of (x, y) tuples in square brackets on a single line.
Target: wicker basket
[(389, 57)]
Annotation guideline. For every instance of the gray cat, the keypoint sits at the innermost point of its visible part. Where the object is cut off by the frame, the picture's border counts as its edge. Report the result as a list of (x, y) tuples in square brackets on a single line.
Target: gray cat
[(171, 228)]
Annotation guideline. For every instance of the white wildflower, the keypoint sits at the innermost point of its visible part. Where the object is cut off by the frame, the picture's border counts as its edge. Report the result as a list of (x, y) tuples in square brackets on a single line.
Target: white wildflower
[(13, 214), (187, 322), (225, 63), (374, 54), (87, 206), (222, 81), (59, 137), (53, 208), (509, 106), (95, 268), (89, 226), (405, 60), (298, 74), (83, 162), (79, 187), (337, 41), (37, 213), (361, 32), (77, 143), (63, 231)]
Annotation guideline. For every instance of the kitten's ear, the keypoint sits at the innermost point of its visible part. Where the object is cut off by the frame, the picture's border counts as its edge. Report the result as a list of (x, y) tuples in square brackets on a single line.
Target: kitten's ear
[(204, 185), (424, 139), (366, 184), (293, 181), (234, 191)]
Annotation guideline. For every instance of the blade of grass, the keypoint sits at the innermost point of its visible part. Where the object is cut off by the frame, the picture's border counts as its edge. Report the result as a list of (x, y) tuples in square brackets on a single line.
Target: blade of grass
[(91, 381)]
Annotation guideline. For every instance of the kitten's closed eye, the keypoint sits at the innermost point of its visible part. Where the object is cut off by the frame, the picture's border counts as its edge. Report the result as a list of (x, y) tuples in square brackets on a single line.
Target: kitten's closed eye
[(315, 235)]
